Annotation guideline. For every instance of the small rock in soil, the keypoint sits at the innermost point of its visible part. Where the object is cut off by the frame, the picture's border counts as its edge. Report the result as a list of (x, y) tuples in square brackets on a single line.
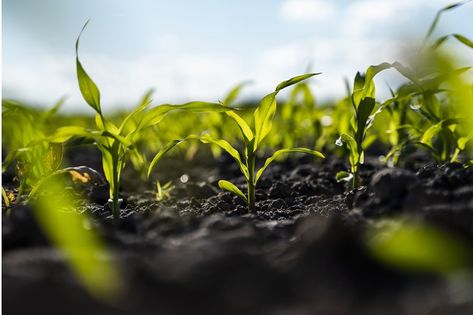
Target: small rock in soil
[(392, 183), (280, 190)]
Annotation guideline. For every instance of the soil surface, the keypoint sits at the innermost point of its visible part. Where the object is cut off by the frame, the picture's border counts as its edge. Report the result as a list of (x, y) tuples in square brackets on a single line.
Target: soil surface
[(201, 252)]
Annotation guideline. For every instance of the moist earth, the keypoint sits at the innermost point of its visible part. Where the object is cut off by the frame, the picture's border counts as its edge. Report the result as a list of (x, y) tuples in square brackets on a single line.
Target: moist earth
[(201, 252)]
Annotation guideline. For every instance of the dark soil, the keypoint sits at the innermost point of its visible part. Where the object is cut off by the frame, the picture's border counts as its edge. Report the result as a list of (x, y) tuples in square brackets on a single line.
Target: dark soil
[(201, 252)]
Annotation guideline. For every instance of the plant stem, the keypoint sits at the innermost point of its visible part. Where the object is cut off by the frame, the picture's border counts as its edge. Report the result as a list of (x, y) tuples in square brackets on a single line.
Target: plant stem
[(356, 167), (251, 180), (356, 179), (114, 189)]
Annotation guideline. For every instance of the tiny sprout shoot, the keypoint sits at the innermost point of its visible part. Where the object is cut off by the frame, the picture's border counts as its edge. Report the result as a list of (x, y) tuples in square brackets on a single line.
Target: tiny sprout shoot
[(163, 191)]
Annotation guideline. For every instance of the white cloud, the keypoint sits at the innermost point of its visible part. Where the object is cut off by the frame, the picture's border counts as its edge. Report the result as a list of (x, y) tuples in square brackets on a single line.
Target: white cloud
[(180, 74), (362, 16), (175, 77), (307, 10)]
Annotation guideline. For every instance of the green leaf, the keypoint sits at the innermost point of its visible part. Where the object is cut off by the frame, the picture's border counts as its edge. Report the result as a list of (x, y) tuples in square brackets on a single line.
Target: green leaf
[(263, 117), (433, 130), (107, 166), (55, 108), (200, 107), (352, 147), (11, 156), (163, 151), (344, 176), (407, 73), (372, 71), (305, 90), (63, 134), (462, 141), (464, 40), (364, 86), (96, 177), (223, 184), (244, 128), (294, 80), (283, 151), (233, 94), (144, 103), (439, 42), (156, 114), (83, 249), (228, 148), (124, 141), (365, 108), (359, 81), (88, 88), (437, 18), (418, 246)]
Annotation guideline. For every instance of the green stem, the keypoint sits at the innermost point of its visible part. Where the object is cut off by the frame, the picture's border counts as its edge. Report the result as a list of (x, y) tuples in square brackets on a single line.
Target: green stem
[(251, 180), (114, 189), (356, 182), (454, 157), (356, 176)]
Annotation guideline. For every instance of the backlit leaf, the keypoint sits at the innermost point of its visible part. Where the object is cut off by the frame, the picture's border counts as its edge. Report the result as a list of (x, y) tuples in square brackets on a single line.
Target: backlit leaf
[(228, 148), (88, 88), (244, 128), (234, 93), (284, 151), (223, 184), (162, 152), (344, 176), (432, 131), (294, 80)]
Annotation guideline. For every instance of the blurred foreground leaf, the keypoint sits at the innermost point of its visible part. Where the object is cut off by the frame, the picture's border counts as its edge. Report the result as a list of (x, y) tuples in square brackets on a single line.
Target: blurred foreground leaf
[(418, 246), (71, 232)]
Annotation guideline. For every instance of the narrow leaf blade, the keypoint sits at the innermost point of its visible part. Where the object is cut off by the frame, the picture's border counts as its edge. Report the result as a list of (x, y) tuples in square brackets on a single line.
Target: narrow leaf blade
[(284, 151), (294, 80), (87, 86), (226, 185), (163, 151)]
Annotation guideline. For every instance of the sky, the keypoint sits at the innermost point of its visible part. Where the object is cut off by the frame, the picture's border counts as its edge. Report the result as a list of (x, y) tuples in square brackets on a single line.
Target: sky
[(197, 50)]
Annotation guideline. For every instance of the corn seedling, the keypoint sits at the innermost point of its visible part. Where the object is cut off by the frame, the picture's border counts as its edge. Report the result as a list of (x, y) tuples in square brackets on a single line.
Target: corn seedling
[(163, 191), (252, 141), (116, 142), (363, 101), (29, 151)]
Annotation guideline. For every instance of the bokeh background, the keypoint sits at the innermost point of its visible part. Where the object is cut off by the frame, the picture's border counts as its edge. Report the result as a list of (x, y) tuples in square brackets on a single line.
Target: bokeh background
[(191, 50)]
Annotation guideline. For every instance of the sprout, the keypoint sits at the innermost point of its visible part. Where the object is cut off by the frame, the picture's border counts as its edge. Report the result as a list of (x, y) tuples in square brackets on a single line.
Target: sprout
[(252, 140), (363, 101), (116, 142)]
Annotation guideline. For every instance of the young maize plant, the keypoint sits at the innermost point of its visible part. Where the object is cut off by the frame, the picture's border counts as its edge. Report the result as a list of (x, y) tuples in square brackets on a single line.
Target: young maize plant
[(252, 141), (364, 103), (116, 143), (441, 127), (29, 151)]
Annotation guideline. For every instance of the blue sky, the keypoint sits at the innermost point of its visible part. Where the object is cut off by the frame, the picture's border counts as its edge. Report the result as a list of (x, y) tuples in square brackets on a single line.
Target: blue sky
[(199, 49)]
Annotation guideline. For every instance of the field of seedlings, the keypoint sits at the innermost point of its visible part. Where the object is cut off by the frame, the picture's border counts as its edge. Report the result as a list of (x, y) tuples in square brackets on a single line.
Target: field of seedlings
[(284, 205)]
